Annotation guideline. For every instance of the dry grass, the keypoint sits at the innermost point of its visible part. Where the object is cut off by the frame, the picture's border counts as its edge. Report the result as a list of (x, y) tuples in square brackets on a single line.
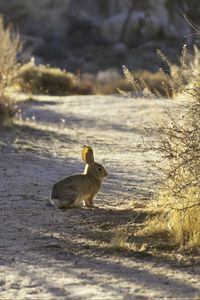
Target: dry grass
[(179, 146), (161, 84), (119, 239), (43, 79), (177, 208), (152, 81), (174, 222), (157, 81), (46, 80), (147, 84), (9, 47), (182, 219)]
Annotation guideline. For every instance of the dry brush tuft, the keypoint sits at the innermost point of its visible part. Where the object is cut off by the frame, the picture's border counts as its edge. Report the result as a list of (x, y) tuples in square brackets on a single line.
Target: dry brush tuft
[(179, 146), (10, 46), (161, 84), (178, 202), (180, 196), (43, 79)]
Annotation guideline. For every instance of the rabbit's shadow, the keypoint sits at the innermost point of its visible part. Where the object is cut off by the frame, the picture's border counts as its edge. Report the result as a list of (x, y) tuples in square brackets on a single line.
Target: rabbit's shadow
[(109, 217)]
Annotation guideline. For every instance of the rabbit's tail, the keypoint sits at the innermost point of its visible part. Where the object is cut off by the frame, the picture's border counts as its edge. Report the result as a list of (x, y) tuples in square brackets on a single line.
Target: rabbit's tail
[(56, 202)]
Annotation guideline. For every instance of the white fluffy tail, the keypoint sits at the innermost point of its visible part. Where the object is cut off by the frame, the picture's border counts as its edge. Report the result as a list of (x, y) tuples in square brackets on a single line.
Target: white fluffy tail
[(56, 203)]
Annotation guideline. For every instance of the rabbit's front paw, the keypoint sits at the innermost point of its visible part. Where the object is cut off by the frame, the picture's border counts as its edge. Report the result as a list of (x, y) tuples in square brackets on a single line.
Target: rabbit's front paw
[(89, 203)]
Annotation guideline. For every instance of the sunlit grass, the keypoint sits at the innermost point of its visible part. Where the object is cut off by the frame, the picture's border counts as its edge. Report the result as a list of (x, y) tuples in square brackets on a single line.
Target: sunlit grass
[(43, 79), (10, 46), (177, 206)]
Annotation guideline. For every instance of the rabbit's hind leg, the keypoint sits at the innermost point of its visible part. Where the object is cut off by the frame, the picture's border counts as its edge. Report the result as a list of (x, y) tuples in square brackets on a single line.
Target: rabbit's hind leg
[(65, 202), (89, 202)]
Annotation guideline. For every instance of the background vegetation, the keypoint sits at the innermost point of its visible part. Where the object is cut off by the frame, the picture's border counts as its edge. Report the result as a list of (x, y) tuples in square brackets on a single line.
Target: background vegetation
[(42, 79), (10, 46)]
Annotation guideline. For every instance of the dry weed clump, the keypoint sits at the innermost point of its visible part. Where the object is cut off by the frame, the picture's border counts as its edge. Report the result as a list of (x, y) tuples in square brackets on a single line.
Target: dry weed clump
[(42, 79), (180, 196), (147, 85), (179, 146), (182, 191), (9, 48), (161, 84), (151, 80)]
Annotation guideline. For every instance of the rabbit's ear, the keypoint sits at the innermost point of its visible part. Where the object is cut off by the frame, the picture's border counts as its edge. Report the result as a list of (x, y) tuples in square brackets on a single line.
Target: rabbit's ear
[(87, 154)]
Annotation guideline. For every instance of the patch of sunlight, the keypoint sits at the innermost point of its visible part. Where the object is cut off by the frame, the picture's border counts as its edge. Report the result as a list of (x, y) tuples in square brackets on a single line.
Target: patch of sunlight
[(32, 124)]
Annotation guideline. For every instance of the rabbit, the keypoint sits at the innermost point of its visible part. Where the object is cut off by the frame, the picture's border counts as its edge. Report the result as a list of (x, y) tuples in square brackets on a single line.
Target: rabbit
[(74, 190)]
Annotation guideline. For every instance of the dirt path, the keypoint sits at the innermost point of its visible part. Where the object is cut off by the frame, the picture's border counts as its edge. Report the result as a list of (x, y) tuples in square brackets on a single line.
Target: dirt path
[(49, 254)]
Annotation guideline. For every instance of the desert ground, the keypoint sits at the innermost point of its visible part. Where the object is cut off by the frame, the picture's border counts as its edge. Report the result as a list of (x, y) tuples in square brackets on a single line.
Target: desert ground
[(46, 253)]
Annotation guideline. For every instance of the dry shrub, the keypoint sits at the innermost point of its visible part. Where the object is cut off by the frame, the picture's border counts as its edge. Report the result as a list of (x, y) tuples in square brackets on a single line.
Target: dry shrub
[(42, 79), (147, 85), (153, 81), (187, 74), (180, 196), (110, 81), (9, 48), (179, 146), (161, 84)]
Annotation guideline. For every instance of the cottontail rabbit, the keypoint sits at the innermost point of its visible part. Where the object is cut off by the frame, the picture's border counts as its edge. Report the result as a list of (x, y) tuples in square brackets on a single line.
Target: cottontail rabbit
[(73, 190)]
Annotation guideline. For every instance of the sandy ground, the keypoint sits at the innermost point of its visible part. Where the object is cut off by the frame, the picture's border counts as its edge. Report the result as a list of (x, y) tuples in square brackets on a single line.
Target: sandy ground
[(49, 254)]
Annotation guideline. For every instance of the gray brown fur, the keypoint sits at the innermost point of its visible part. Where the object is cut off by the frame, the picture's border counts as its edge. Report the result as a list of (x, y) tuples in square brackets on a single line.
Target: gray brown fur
[(74, 190)]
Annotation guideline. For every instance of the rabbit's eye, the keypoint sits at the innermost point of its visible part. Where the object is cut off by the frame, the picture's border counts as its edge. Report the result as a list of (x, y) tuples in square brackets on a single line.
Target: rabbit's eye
[(99, 169)]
